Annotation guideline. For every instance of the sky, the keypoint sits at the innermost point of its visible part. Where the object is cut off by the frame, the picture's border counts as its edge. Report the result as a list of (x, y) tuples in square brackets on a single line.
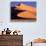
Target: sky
[(31, 30), (33, 3)]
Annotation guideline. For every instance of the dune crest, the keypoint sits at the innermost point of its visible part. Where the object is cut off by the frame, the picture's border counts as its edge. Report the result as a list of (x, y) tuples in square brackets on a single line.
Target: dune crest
[(26, 7)]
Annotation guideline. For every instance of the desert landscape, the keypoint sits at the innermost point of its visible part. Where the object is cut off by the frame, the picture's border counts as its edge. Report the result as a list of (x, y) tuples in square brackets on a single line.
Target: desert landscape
[(23, 11)]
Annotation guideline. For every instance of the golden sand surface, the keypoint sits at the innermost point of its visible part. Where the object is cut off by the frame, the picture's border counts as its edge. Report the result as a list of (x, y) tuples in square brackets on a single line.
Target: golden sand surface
[(27, 8), (26, 14), (30, 12)]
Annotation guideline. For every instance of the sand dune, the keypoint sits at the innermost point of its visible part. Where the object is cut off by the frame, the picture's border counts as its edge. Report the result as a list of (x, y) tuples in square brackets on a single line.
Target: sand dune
[(26, 14), (29, 11), (26, 7)]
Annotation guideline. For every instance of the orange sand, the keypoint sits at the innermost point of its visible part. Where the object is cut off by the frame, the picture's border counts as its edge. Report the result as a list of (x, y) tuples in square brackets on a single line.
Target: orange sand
[(26, 14), (26, 7)]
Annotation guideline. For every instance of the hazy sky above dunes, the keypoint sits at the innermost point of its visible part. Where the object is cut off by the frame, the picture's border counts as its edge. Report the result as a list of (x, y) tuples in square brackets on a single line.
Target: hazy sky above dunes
[(13, 4), (30, 30)]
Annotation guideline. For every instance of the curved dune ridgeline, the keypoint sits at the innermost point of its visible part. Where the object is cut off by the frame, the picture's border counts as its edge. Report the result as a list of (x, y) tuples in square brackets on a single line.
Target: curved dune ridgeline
[(26, 14), (26, 7), (29, 11)]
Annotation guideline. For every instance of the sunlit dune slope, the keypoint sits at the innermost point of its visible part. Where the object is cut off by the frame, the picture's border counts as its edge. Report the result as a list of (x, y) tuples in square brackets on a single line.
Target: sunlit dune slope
[(26, 14), (39, 40), (26, 7)]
